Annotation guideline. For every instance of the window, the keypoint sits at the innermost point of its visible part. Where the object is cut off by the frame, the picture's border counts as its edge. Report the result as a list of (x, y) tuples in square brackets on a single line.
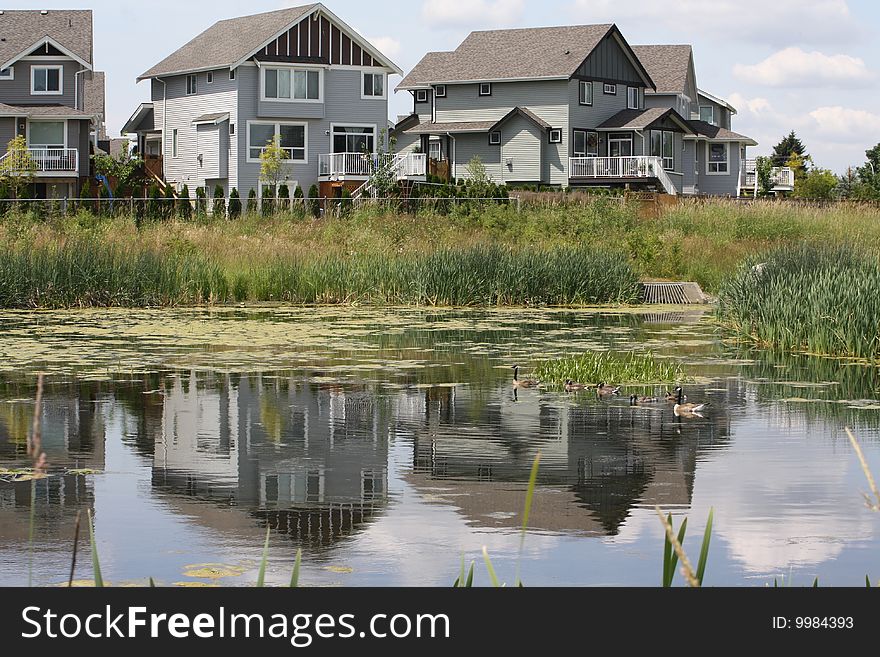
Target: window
[(585, 144), (707, 114), (663, 146), (46, 134), (191, 85), (7, 74), (232, 74), (231, 129), (174, 143), (210, 77), (620, 144), (440, 91), (555, 136), (434, 149), (586, 92), (610, 89), (348, 139), (495, 137), (485, 89), (421, 95), (374, 85), (46, 80), (291, 137), (291, 84), (632, 98), (717, 161)]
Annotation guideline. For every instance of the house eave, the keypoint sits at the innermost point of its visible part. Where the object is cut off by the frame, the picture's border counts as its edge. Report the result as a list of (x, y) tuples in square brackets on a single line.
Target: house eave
[(52, 42), (433, 83)]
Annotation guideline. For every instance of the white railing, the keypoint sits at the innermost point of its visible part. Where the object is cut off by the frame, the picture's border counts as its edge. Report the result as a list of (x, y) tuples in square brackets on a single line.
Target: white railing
[(782, 177), (640, 166), (47, 159), (401, 166), (347, 164)]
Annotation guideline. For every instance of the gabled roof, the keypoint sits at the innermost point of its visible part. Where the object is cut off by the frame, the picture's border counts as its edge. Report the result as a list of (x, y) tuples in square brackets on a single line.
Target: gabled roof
[(22, 31), (454, 127), (528, 114), (668, 66), (54, 111), (642, 119), (140, 121), (520, 54), (717, 100), (228, 43), (215, 118), (711, 132)]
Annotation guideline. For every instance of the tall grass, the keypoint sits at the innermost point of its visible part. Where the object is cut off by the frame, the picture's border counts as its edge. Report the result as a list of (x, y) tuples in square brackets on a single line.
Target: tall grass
[(817, 299), (597, 367)]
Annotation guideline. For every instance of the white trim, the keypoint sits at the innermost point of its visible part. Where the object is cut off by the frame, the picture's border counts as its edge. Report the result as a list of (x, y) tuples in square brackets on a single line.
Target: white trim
[(480, 90), (500, 137), (27, 131), (583, 84), (353, 125), (293, 69), (277, 125), (11, 75), (715, 99), (700, 114), (209, 77), (419, 91), (41, 42), (605, 91), (365, 73), (628, 99), (434, 83), (175, 143), (556, 130), (726, 145), (59, 68), (437, 93), (195, 86)]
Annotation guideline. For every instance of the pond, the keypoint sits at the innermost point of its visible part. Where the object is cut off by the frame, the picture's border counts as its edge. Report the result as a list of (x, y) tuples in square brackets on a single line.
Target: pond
[(389, 443)]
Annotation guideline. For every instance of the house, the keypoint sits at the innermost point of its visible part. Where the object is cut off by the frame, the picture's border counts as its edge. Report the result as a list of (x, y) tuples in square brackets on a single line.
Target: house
[(47, 83), (300, 76), (562, 106)]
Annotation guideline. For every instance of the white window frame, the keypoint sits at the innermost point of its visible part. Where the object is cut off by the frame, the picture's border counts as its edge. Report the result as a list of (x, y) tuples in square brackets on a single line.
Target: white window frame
[(209, 77), (175, 142), (232, 74), (585, 84), (278, 125), (438, 93), (293, 69), (555, 135), (612, 139), (629, 98), (492, 134), (421, 95), (28, 132), (231, 129), (487, 86), (384, 77), (192, 84), (11, 75), (333, 127), (435, 142), (605, 89), (57, 67), (726, 158), (700, 113), (586, 152)]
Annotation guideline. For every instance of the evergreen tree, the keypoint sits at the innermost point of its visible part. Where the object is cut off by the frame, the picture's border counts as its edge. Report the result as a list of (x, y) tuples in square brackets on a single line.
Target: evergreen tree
[(234, 204), (314, 201), (219, 207), (153, 211), (252, 202), (168, 206), (184, 206), (299, 209), (868, 173), (284, 198), (201, 202), (789, 145)]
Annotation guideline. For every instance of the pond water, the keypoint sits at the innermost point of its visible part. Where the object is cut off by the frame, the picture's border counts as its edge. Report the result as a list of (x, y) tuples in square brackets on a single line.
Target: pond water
[(388, 443)]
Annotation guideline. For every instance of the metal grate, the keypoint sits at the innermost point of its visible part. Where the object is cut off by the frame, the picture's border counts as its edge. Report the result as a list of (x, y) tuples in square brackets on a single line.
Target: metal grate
[(665, 293)]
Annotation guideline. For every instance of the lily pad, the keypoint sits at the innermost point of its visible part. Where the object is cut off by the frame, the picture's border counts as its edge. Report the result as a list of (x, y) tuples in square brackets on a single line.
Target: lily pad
[(212, 571)]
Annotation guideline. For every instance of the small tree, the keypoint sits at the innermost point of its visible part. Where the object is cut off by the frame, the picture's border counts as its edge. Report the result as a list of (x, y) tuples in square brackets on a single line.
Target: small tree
[(790, 144), (764, 175), (184, 206), (818, 184), (17, 169), (168, 206), (272, 161), (219, 208), (314, 201), (252, 201), (234, 204), (284, 198), (125, 170), (201, 203), (298, 208)]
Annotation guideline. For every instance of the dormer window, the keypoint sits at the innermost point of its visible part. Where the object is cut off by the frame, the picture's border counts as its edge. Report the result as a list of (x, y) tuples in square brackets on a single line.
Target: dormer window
[(46, 80), (440, 91), (485, 89), (421, 95)]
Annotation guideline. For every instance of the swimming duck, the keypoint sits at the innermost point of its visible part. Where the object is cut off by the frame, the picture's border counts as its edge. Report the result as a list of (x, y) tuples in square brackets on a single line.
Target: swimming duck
[(673, 396), (571, 386), (686, 410), (635, 400), (606, 390), (522, 383)]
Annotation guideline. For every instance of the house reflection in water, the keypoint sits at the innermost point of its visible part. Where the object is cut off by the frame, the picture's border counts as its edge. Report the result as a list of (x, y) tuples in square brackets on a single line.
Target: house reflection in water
[(308, 460)]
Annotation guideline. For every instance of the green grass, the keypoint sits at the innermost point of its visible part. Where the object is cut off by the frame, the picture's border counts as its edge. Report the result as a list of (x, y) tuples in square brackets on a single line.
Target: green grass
[(816, 299), (608, 367)]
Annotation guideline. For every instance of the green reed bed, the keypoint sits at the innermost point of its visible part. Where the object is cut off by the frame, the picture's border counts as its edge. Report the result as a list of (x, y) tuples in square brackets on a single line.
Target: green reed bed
[(816, 299), (607, 367), (86, 273)]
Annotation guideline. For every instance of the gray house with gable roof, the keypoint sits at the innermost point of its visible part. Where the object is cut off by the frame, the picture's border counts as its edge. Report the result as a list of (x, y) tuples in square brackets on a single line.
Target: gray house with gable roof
[(49, 93), (300, 76)]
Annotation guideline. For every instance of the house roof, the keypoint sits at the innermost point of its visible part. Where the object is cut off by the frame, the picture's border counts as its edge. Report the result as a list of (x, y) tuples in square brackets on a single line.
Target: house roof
[(714, 133), (54, 111), (519, 54), (717, 100), (215, 118), (527, 113), (228, 43), (457, 127), (93, 93), (23, 30), (138, 122), (668, 66), (641, 119)]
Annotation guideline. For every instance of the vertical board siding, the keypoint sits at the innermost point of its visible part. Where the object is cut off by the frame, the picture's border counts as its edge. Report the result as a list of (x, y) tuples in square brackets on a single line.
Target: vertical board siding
[(609, 62)]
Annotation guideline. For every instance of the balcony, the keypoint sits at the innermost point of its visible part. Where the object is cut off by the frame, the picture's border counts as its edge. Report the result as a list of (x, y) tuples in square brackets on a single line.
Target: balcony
[(621, 169), (45, 161), (336, 166), (783, 177)]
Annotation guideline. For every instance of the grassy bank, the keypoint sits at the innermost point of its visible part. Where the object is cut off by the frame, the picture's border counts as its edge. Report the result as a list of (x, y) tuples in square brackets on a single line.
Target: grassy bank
[(385, 257), (817, 299)]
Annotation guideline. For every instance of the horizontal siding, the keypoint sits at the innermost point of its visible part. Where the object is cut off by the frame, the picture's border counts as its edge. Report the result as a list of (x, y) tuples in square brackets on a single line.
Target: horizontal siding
[(521, 144), (210, 146), (425, 110), (291, 110), (547, 99), (720, 185), (406, 143), (7, 132), (468, 146), (18, 91)]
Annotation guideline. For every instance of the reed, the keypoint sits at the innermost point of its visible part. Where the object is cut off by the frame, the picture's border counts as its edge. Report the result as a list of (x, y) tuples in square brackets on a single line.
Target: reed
[(595, 367)]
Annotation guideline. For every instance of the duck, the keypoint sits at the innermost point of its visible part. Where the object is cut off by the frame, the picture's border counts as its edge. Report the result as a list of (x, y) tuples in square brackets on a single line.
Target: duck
[(522, 383), (635, 400), (571, 386), (606, 390), (673, 396), (686, 410)]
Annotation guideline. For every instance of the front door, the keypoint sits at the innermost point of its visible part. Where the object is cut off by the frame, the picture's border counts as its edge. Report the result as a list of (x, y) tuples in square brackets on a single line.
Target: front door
[(620, 144)]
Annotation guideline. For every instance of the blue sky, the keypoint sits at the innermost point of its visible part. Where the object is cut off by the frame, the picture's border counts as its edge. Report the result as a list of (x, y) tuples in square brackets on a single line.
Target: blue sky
[(808, 65)]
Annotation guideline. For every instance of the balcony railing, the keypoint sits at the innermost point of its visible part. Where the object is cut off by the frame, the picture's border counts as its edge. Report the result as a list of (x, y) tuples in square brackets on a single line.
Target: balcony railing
[(782, 177), (639, 166), (40, 160), (366, 164)]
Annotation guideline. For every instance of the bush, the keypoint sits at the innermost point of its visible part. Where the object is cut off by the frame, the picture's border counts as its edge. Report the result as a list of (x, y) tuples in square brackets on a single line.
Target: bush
[(314, 203), (234, 204), (252, 202), (184, 206), (299, 208), (201, 203), (168, 206), (219, 208), (284, 198)]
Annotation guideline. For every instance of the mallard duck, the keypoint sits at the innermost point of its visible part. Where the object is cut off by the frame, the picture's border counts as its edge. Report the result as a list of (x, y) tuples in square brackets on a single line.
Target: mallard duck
[(686, 410), (606, 390), (635, 400), (522, 383), (571, 386)]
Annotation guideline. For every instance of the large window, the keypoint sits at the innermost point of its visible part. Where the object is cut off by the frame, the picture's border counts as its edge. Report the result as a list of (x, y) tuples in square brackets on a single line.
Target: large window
[(374, 85), (707, 114), (632, 98), (46, 80), (718, 160), (291, 84), (663, 146), (359, 139), (291, 137), (586, 92), (585, 144), (620, 144), (46, 134)]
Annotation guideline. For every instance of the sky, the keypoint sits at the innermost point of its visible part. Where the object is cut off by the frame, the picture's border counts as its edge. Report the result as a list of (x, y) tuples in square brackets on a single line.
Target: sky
[(812, 66)]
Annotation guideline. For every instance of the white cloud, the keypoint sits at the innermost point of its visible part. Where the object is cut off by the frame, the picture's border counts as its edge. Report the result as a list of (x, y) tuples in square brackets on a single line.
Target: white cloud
[(757, 106), (793, 67), (782, 22), (472, 14), (386, 45), (843, 124)]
